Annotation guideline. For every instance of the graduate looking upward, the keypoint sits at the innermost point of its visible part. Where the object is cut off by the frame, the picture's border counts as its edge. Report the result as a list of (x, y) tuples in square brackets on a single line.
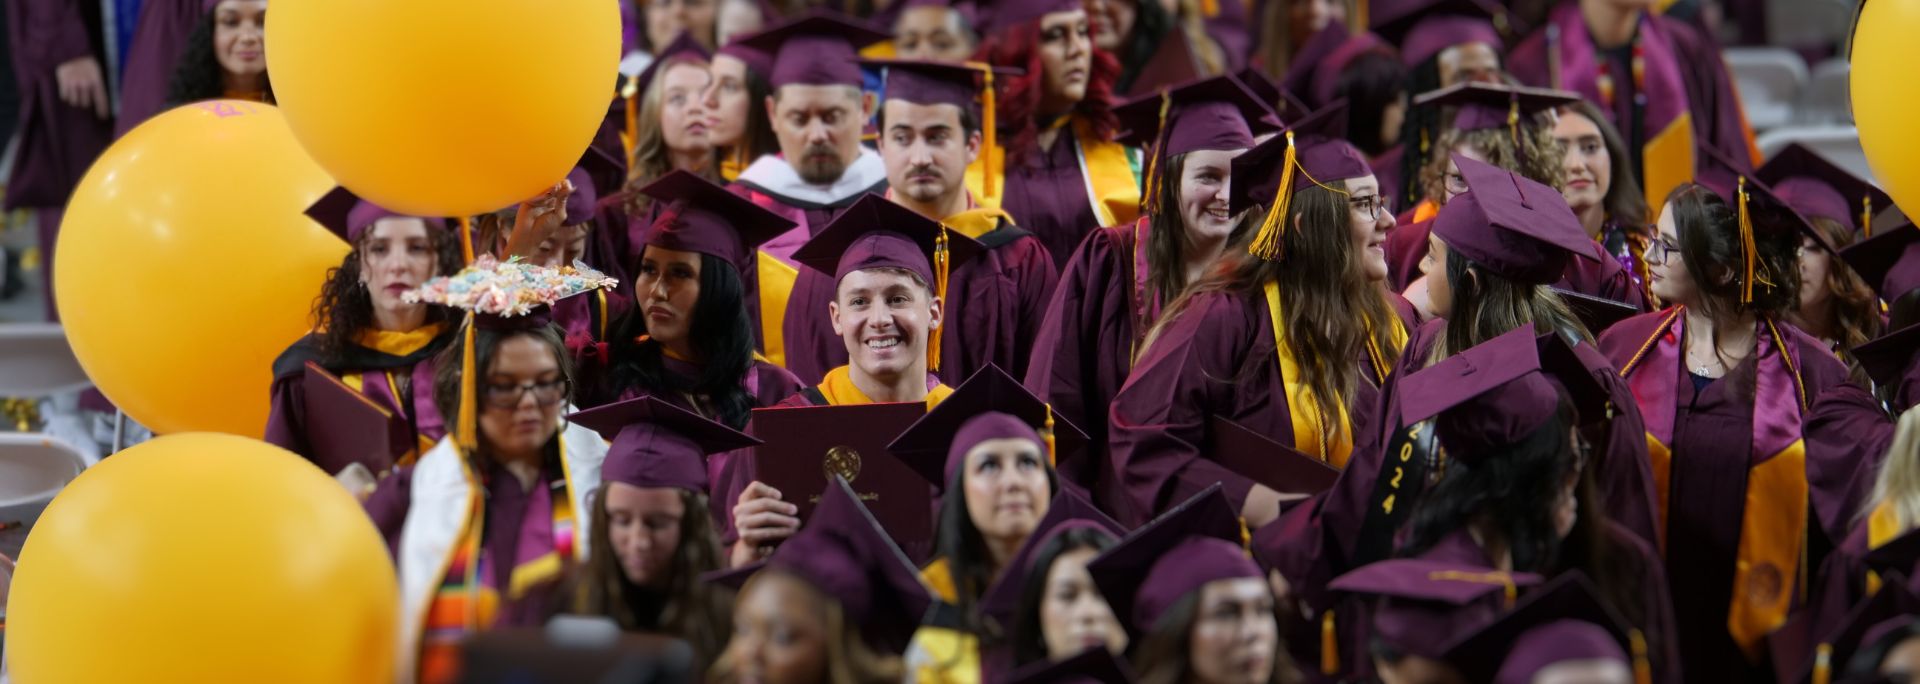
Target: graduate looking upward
[(931, 131), (935, 30), (673, 127)]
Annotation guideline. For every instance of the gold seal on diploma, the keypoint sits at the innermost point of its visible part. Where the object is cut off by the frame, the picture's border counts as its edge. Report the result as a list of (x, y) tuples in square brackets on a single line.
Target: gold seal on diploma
[(842, 461)]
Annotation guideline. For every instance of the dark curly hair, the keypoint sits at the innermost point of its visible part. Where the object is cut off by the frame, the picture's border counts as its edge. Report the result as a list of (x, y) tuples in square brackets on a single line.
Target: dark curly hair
[(199, 75), (344, 308), (1019, 102)]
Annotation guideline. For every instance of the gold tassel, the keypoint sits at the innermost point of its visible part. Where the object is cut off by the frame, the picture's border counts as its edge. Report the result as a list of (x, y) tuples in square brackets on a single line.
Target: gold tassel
[(1152, 199), (989, 137), (1642, 669), (1267, 243), (1746, 243), (1513, 120), (1046, 434), (1866, 216), (631, 140), (1329, 645), (466, 239), (1246, 536), (466, 436), (1823, 664), (940, 268)]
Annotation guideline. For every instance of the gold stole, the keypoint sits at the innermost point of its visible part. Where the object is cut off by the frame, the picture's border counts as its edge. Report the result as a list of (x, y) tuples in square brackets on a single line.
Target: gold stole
[(399, 343), (1882, 526), (1668, 160), (977, 222), (1106, 167), (838, 388), (776, 287), (1307, 421), (938, 576)]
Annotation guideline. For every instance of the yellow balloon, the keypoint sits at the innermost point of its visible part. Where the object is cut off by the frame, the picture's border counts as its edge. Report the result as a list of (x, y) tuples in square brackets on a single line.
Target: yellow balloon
[(203, 557), (1884, 96), (445, 107), (186, 265)]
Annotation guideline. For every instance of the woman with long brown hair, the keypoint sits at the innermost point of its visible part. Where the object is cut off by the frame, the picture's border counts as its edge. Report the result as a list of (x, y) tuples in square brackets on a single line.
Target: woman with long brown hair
[(739, 127), (1836, 305), (1601, 187), (1291, 339), (671, 131), (1122, 276), (652, 537)]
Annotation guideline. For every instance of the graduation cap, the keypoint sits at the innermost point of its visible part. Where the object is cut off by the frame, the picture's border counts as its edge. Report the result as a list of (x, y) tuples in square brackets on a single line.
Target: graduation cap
[(1425, 28), (1491, 106), (346, 215), (967, 85), (1560, 622), (1817, 187), (582, 204), (1093, 666), (758, 61), (1283, 102), (1197, 542), (816, 49), (1000, 15), (1068, 511), (1512, 225), (1836, 650), (844, 553), (1426, 604), (989, 405), (1597, 313), (658, 444), (1215, 113), (1759, 208), (684, 48), (698, 215), (1309, 153), (1498, 392), (1890, 262), (1315, 70)]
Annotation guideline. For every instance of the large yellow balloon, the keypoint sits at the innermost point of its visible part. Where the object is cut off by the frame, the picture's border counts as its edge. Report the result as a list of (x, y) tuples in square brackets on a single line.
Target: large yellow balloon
[(1885, 97), (185, 265), (203, 558), (445, 107)]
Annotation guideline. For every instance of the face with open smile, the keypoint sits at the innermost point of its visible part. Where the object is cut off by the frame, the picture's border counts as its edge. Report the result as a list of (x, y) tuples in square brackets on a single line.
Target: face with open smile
[(884, 316)]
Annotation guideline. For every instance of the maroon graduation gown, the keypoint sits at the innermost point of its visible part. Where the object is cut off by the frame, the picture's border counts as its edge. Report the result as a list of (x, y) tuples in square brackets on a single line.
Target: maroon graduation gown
[(158, 42), (1848, 434), (811, 347), (1713, 431), (1085, 349), (995, 306), (57, 142), (1047, 196), (1216, 359), (286, 418)]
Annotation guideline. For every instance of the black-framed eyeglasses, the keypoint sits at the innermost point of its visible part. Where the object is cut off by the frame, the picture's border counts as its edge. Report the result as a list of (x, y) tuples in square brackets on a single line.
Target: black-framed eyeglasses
[(508, 396), (1371, 205), (1659, 252)]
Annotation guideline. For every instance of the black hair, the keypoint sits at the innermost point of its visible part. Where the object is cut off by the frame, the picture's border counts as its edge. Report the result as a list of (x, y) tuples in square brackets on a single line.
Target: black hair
[(1371, 83), (1511, 489), (198, 75), (1026, 634), (1151, 24), (720, 329), (959, 542), (1418, 133), (486, 343), (1711, 246)]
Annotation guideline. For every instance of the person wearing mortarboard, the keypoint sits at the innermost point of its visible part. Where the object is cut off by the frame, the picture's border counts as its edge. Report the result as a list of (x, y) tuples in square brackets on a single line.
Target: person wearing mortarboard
[(889, 268), (1724, 388), (1836, 304), (1121, 277), (366, 335), (931, 130), (1196, 607), (1045, 604), (1563, 632), (1602, 190), (842, 587), (652, 537), (650, 25), (817, 111), (1065, 174), (1661, 81), (741, 128), (487, 526), (667, 126), (937, 30), (1442, 43), (1305, 377)]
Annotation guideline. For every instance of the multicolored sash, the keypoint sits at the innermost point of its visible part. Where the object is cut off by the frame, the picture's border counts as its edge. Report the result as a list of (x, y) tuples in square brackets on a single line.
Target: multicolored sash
[(1770, 563)]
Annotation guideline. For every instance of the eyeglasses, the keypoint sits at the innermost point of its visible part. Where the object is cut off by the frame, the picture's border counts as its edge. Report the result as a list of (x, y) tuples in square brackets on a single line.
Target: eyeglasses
[(1660, 252), (508, 396), (1371, 205)]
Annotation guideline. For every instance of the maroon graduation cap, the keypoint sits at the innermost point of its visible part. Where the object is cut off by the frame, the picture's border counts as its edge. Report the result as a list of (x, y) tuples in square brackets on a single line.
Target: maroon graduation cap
[(658, 444), (1498, 392), (1424, 605), (1562, 621), (1000, 15), (877, 233), (1817, 187), (1491, 106), (1512, 225), (816, 49), (1069, 510), (698, 215), (683, 48), (1317, 156), (582, 204), (1092, 666), (1197, 542), (989, 405), (1216, 113), (967, 85), (1734, 181), (346, 215), (1597, 313), (1890, 262), (1424, 28)]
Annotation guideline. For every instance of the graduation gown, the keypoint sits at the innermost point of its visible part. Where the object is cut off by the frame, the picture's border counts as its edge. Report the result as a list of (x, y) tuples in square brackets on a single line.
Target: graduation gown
[(1849, 434), (158, 41), (799, 296), (996, 302), (766, 383), (377, 366), (1607, 278), (57, 142), (1682, 97), (1219, 359), (1715, 452), (1059, 192), (585, 322)]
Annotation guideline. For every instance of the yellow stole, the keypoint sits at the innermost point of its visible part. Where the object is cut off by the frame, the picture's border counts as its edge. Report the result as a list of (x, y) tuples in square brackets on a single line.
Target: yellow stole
[(776, 287), (939, 577), (1882, 526), (977, 222), (1107, 167), (1308, 424), (839, 390), (400, 343), (1668, 160)]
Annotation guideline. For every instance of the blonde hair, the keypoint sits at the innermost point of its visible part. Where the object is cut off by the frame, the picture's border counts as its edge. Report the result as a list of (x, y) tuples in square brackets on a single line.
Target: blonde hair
[(1536, 157), (1899, 483)]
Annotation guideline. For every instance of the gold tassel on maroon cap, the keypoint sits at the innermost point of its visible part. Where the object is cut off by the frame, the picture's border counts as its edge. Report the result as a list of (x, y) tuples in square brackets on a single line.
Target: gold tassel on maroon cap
[(1329, 645), (1046, 433), (1866, 216), (1513, 121), (1267, 242), (1752, 256), (1152, 199), (1642, 668), (989, 138), (465, 434), (1823, 664), (941, 265)]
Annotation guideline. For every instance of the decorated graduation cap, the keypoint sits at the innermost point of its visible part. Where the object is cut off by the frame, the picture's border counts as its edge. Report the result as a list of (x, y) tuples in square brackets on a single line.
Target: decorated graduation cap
[(1308, 153), (697, 215), (1890, 262), (1492, 106), (817, 49), (967, 85), (1757, 208), (1068, 511), (1215, 113), (1425, 28), (1000, 15), (1424, 605), (657, 444), (878, 233), (1817, 187), (989, 405), (1202, 540), (346, 215), (1092, 666), (1498, 392), (1563, 621), (1512, 225), (581, 205), (844, 553)]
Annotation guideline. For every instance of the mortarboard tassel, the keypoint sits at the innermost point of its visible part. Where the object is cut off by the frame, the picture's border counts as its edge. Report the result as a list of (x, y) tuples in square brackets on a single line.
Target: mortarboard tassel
[(1152, 199), (466, 239), (1496, 577), (1246, 537), (1210, 8), (466, 437), (1267, 242), (632, 138), (1642, 669), (1866, 216), (1823, 664), (1746, 244), (1513, 122), (940, 267), (1329, 645), (989, 138), (1046, 434)]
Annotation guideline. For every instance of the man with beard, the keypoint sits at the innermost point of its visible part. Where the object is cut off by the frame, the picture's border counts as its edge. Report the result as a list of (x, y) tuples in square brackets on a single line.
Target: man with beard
[(817, 109), (930, 132)]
